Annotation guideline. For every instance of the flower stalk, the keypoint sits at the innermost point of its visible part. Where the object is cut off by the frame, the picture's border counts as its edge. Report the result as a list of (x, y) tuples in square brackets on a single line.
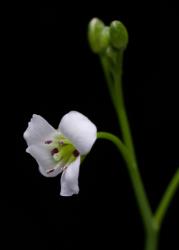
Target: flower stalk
[(111, 58), (166, 199)]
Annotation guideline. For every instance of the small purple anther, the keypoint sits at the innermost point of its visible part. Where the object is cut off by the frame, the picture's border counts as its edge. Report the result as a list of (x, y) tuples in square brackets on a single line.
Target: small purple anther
[(48, 142), (76, 153), (50, 171), (54, 151)]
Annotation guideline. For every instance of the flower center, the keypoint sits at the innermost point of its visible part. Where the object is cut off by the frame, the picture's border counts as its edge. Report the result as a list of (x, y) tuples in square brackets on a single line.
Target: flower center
[(62, 150)]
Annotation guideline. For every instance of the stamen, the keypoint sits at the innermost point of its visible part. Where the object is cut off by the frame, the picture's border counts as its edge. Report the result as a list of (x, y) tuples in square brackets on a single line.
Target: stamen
[(48, 142), (76, 153), (50, 171), (53, 169), (54, 151)]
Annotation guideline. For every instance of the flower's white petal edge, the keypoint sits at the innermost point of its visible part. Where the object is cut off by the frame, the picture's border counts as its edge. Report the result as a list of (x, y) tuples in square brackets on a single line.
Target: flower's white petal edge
[(69, 179), (79, 130), (44, 159), (38, 130)]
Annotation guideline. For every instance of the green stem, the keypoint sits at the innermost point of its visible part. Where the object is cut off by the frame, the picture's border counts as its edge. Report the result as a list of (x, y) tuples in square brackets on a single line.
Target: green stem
[(121, 111), (114, 83), (150, 225), (127, 149), (115, 140), (134, 176), (166, 199), (109, 80), (113, 74), (125, 128), (152, 239)]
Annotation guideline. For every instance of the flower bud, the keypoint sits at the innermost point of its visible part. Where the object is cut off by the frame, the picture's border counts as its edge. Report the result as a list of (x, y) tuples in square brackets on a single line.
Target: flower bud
[(118, 35), (98, 35)]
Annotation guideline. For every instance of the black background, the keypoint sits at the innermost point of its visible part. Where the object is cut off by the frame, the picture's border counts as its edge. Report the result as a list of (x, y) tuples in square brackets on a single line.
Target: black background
[(56, 72)]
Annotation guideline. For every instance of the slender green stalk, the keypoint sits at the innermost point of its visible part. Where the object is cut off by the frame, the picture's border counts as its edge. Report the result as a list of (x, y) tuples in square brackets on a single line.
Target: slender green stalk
[(121, 110), (167, 197), (118, 100), (152, 239), (144, 207), (151, 230), (109, 80), (135, 178), (116, 141), (114, 83), (110, 47), (127, 149)]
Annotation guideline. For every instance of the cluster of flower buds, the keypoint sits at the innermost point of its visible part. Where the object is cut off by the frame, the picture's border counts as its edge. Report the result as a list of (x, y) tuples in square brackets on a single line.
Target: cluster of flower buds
[(102, 38)]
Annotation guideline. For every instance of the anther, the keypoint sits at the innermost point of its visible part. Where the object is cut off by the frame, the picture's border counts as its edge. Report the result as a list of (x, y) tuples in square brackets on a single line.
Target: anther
[(76, 153), (50, 171), (48, 142), (54, 151)]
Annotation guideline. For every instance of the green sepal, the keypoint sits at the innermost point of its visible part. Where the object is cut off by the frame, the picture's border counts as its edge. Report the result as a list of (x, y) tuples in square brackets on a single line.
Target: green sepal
[(98, 35), (118, 35)]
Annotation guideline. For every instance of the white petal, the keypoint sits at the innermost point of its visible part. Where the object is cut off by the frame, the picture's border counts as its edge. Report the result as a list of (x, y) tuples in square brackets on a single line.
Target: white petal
[(79, 130), (69, 179), (38, 130), (44, 159)]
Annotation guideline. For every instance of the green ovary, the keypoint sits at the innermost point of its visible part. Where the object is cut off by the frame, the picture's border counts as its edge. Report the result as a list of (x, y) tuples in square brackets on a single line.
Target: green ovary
[(62, 150)]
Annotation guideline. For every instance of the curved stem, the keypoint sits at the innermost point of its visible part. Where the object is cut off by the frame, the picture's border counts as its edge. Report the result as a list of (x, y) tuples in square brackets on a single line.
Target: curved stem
[(166, 199), (135, 177), (114, 139), (114, 82), (142, 201), (113, 74), (115, 89)]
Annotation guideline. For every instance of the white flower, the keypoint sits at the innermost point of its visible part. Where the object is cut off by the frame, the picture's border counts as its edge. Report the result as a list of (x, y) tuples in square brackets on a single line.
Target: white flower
[(59, 151)]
